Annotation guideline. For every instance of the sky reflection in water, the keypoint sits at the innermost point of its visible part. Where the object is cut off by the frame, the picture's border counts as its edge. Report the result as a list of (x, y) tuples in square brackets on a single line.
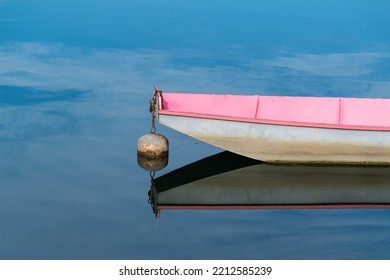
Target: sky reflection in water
[(75, 79)]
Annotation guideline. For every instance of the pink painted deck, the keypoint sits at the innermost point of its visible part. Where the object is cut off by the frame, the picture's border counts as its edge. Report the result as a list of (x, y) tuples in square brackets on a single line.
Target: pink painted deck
[(328, 112)]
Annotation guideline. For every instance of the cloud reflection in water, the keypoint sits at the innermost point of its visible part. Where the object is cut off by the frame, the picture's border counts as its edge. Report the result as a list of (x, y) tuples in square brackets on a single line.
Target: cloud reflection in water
[(117, 73)]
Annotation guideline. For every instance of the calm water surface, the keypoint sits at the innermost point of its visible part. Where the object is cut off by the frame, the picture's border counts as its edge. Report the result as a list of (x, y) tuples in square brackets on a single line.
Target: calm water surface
[(75, 80)]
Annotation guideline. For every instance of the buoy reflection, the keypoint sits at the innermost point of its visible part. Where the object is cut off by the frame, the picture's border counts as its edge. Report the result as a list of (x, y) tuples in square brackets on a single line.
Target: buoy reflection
[(152, 164)]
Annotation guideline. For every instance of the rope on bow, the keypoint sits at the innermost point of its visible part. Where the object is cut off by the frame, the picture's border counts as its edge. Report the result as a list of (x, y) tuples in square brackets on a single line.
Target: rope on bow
[(153, 108)]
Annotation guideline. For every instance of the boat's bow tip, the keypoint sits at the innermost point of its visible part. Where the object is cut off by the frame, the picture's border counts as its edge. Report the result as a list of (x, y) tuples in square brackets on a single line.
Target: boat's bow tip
[(156, 88)]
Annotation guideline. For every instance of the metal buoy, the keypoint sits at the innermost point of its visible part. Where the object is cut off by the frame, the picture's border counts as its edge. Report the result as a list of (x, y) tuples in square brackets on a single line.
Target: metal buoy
[(152, 148), (153, 145)]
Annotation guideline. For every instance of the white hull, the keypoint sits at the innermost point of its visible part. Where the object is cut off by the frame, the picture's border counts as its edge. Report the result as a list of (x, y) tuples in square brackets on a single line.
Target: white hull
[(284, 144)]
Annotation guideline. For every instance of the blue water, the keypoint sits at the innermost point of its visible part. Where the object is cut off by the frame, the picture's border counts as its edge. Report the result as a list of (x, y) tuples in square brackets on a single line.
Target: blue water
[(75, 80)]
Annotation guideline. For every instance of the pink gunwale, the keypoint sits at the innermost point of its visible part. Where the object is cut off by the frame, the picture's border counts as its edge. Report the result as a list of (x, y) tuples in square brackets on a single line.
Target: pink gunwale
[(322, 112), (274, 207), (269, 207)]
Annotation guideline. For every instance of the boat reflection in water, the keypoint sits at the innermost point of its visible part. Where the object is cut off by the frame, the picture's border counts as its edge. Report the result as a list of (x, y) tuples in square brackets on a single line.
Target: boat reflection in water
[(230, 181)]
